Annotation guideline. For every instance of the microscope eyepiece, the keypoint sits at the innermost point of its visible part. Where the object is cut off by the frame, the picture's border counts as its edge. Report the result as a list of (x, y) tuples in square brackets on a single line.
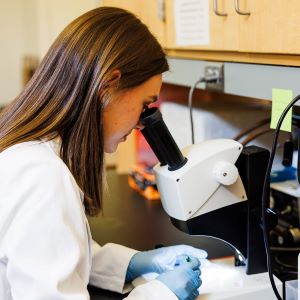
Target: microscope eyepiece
[(160, 139)]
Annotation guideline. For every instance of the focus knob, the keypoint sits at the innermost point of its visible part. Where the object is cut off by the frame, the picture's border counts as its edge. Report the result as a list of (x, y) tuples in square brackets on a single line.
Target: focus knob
[(225, 172)]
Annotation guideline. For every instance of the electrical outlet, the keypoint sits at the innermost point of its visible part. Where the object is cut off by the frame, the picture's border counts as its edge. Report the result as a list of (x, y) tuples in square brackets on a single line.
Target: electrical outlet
[(214, 75)]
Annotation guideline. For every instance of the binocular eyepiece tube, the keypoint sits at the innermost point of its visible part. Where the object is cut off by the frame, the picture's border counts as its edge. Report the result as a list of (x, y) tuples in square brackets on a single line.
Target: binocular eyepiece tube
[(160, 139)]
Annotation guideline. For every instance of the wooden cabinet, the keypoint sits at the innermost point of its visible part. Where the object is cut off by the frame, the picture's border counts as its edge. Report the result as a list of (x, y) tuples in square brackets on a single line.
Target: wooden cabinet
[(223, 30), (151, 12), (270, 34), (272, 26)]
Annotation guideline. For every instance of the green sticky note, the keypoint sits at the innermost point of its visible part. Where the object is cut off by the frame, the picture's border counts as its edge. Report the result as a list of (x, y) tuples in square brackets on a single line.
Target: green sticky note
[(280, 99)]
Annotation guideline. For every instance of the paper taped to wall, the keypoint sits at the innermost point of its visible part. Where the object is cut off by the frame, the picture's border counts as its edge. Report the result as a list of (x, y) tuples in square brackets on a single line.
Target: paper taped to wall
[(191, 22)]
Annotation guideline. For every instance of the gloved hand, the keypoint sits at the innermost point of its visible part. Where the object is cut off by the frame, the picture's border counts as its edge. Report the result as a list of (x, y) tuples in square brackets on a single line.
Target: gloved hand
[(160, 260), (184, 280)]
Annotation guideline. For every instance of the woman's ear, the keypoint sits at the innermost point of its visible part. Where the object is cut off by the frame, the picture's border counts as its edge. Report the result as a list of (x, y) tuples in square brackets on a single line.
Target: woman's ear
[(113, 79), (111, 83)]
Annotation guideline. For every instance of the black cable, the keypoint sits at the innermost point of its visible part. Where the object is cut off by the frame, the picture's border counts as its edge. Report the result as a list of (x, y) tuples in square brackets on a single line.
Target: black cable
[(284, 265), (285, 249), (256, 135), (190, 103), (265, 199), (252, 128), (280, 269)]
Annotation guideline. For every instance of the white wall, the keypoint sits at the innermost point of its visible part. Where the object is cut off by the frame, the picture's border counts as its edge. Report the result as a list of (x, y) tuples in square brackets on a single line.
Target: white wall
[(54, 15), (28, 28), (17, 36)]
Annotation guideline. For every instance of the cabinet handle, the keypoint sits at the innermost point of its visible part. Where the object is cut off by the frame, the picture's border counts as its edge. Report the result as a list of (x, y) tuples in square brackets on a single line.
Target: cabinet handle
[(237, 9), (216, 10)]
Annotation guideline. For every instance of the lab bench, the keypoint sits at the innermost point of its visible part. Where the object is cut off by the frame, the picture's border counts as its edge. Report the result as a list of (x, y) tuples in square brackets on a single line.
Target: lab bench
[(132, 221)]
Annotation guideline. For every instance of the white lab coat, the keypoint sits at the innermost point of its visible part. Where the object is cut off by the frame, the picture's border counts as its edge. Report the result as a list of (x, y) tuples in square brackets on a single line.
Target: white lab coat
[(46, 250)]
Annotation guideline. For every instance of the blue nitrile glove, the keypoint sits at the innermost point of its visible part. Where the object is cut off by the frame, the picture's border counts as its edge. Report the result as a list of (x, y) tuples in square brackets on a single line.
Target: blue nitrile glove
[(184, 280), (160, 260)]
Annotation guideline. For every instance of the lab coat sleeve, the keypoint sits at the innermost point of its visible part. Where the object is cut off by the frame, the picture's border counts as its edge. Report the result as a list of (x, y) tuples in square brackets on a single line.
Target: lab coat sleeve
[(109, 268), (44, 244), (153, 290)]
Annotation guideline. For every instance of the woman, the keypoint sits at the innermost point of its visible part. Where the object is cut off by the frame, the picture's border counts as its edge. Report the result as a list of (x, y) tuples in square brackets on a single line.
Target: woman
[(87, 95)]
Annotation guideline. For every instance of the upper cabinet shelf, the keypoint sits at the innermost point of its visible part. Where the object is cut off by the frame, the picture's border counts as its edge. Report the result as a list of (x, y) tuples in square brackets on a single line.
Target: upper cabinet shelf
[(255, 31), (259, 26)]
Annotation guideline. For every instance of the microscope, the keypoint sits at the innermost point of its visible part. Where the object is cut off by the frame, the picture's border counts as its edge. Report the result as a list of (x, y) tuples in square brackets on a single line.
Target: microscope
[(214, 188)]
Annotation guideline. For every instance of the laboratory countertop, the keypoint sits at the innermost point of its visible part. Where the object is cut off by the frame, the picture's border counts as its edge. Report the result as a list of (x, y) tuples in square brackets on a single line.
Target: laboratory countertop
[(130, 220)]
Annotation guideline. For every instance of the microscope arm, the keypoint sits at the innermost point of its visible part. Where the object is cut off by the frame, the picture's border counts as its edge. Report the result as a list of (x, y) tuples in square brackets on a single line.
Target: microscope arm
[(208, 181)]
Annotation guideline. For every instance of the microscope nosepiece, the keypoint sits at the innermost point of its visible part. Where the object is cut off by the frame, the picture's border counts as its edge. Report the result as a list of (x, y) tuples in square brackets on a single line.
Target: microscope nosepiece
[(160, 139)]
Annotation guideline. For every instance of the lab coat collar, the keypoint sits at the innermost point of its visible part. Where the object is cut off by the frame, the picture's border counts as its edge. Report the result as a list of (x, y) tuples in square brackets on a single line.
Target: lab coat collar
[(55, 144)]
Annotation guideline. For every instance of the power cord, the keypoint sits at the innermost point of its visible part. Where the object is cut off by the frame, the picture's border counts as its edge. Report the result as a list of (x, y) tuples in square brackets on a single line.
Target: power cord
[(285, 265), (252, 128), (265, 199), (190, 103), (215, 76), (255, 135), (285, 249)]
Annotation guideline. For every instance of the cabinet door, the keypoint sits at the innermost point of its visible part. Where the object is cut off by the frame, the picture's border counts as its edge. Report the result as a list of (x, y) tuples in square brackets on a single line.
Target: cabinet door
[(223, 30), (151, 12), (272, 27)]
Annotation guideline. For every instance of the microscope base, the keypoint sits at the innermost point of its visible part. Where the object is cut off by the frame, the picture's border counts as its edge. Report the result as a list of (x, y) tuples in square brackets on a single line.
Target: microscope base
[(222, 280)]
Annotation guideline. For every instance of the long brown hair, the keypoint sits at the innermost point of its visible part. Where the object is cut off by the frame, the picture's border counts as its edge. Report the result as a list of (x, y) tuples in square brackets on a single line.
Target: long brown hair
[(63, 97)]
